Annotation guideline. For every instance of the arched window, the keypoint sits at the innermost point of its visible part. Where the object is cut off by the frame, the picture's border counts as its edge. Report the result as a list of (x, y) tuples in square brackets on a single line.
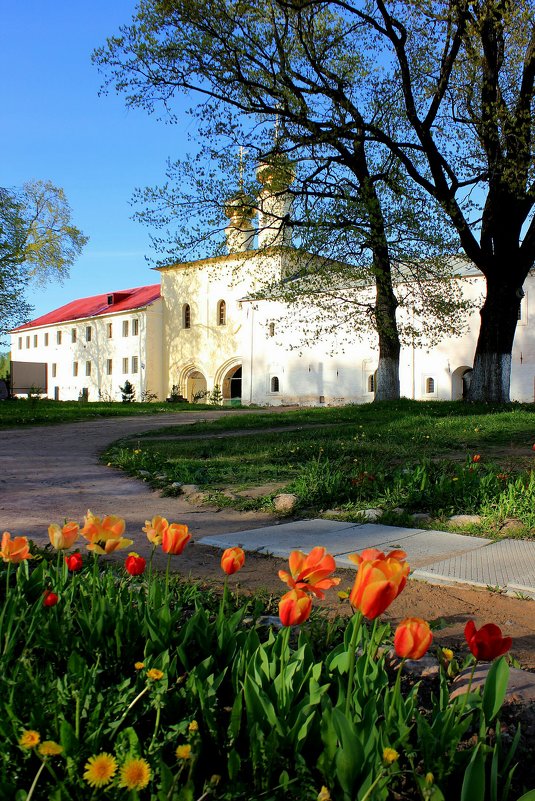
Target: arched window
[(274, 384), (186, 316), (429, 386), (371, 383), (221, 313), (272, 329)]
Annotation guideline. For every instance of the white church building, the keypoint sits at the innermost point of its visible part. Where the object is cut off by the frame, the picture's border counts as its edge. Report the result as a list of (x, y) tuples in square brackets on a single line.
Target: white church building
[(204, 326)]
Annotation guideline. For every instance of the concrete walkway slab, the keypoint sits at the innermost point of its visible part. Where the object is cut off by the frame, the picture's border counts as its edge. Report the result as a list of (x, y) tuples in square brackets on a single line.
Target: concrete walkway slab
[(508, 565), (342, 539)]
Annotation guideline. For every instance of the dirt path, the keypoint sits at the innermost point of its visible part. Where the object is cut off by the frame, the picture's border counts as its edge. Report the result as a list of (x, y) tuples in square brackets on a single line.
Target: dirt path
[(51, 473)]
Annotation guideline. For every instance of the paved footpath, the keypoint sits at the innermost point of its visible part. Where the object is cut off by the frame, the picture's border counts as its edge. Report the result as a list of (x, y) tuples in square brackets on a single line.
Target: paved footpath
[(49, 473)]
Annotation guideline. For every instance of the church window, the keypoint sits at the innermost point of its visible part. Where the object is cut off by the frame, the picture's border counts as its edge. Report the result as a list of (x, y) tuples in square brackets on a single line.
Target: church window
[(109, 366), (125, 365), (125, 328), (109, 330), (73, 334), (274, 384), (88, 333), (135, 327), (88, 368), (58, 337), (221, 313), (135, 364), (75, 369), (371, 383), (186, 316), (429, 386)]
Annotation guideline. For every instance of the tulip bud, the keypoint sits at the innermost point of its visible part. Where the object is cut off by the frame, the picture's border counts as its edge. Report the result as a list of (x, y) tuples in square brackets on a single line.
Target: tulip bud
[(412, 638), (232, 560), (134, 564), (50, 598), (74, 562)]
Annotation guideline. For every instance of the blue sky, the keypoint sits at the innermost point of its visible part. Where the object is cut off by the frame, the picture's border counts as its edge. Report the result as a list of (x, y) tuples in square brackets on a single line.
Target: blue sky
[(55, 127)]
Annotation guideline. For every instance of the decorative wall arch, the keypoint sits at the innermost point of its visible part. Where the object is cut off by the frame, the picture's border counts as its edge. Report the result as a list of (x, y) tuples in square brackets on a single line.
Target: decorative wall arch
[(192, 380), (228, 379)]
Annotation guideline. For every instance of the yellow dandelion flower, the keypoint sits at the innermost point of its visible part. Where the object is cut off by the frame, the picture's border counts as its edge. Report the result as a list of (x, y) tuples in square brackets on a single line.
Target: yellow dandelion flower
[(447, 653), (139, 665), (324, 794), (100, 769), (154, 674), (29, 739), (390, 755), (135, 774), (429, 778), (50, 748), (183, 752), (193, 726)]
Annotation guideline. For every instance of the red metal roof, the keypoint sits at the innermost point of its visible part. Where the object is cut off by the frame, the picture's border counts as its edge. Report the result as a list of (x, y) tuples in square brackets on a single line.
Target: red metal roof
[(98, 305)]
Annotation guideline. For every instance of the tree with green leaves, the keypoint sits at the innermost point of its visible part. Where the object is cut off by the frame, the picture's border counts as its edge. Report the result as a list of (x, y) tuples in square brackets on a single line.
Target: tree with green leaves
[(291, 65), (38, 243), (445, 88)]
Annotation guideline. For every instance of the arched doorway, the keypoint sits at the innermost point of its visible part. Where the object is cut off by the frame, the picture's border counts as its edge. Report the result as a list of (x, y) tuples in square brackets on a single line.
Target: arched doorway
[(231, 385), (460, 382), (195, 386)]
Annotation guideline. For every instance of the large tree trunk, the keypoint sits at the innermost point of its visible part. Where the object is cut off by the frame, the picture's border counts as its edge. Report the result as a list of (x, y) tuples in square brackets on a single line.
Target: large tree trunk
[(389, 346), (492, 361)]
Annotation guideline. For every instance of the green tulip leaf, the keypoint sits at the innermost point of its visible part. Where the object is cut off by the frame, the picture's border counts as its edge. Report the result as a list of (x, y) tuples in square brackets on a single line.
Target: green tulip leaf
[(495, 688)]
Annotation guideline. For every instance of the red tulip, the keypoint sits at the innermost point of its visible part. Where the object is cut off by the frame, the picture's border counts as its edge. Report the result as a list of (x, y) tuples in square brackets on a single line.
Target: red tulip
[(294, 608), (134, 564), (50, 598), (476, 457), (412, 638), (74, 562), (232, 560), (487, 643)]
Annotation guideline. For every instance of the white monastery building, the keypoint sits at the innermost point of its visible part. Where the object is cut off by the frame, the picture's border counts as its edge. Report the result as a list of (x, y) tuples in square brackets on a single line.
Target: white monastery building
[(203, 327)]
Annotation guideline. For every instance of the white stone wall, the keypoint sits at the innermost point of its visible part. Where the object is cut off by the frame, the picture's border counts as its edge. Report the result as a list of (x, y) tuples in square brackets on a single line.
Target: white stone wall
[(127, 354), (311, 375)]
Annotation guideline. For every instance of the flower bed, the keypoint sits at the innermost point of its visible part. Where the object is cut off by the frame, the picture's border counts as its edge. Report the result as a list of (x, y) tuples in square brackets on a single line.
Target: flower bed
[(129, 684)]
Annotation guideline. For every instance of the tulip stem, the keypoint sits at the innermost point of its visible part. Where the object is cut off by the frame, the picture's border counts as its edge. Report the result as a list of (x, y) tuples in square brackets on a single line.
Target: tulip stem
[(167, 577), (352, 656), (285, 645), (470, 680), (395, 692)]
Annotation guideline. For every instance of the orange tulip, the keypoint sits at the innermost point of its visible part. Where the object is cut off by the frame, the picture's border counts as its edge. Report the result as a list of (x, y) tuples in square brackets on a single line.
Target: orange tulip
[(96, 530), (369, 554), (294, 608), (14, 550), (155, 528), (412, 638), (378, 582), (310, 572), (175, 538), (64, 537), (232, 560)]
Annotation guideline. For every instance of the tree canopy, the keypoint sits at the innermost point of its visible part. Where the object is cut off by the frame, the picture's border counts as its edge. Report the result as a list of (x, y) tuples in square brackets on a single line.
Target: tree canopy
[(38, 243)]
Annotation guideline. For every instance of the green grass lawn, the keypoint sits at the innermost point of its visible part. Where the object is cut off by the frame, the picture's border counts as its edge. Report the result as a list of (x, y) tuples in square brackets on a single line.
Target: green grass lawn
[(23, 412), (408, 454)]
